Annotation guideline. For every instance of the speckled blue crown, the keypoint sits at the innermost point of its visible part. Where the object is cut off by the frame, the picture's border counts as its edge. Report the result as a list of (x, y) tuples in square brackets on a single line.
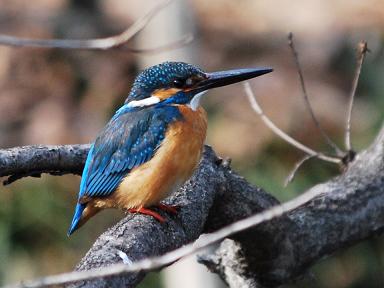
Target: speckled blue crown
[(160, 76)]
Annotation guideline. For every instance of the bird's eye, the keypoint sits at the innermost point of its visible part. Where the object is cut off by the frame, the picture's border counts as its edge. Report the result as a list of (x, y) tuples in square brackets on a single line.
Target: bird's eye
[(178, 83)]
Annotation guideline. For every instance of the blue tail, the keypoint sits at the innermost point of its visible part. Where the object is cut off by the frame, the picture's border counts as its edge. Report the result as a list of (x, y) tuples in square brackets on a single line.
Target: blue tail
[(76, 218)]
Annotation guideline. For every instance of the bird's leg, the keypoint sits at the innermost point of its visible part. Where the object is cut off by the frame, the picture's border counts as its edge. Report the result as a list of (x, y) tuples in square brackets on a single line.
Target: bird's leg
[(147, 211), (168, 208)]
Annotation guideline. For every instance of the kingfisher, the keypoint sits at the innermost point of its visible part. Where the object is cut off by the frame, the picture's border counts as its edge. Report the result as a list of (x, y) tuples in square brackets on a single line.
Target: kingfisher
[(153, 142)]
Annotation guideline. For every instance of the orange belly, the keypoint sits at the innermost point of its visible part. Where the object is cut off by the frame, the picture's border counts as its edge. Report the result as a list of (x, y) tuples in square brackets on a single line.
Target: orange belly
[(173, 164)]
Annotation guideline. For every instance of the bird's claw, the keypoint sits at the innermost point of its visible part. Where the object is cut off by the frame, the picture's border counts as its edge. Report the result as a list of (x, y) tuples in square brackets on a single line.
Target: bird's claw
[(149, 212), (174, 209)]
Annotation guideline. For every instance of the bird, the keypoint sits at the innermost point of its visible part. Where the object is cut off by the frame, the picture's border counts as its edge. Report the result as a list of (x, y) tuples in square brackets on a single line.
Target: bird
[(153, 142)]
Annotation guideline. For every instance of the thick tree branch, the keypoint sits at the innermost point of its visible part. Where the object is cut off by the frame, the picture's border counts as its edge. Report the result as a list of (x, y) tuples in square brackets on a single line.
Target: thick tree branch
[(26, 161), (349, 209)]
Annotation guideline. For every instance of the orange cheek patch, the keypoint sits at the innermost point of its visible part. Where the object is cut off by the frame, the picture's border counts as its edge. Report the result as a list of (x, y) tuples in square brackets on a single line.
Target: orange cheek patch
[(163, 94)]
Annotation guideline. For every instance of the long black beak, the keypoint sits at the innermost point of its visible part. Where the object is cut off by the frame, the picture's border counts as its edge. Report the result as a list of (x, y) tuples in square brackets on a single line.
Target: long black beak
[(223, 78)]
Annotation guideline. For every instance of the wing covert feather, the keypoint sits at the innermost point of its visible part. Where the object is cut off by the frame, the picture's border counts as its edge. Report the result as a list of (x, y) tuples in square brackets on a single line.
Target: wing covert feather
[(129, 140)]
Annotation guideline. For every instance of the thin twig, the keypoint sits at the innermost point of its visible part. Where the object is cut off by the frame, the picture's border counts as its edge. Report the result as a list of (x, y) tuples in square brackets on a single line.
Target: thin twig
[(168, 258), (338, 151), (295, 168), (362, 49), (255, 106), (117, 41)]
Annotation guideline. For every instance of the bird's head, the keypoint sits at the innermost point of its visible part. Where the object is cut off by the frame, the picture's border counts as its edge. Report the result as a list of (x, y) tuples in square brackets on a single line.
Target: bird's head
[(182, 83)]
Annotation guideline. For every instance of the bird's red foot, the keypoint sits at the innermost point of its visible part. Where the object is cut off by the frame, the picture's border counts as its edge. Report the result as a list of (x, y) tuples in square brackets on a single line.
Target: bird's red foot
[(168, 208), (147, 211)]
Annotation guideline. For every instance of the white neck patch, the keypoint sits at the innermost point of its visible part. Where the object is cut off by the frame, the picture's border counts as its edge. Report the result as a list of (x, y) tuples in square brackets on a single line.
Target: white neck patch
[(144, 102), (195, 102)]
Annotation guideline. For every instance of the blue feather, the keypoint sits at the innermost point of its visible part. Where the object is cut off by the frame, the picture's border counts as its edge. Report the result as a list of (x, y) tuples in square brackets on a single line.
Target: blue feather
[(76, 218), (130, 139), (85, 170)]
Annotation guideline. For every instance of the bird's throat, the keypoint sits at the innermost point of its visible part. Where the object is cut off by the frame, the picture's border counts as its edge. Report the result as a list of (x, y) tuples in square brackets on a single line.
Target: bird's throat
[(195, 102)]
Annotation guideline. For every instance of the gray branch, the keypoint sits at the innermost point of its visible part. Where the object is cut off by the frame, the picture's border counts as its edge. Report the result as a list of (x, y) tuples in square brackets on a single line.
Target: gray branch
[(34, 160), (113, 42), (349, 209)]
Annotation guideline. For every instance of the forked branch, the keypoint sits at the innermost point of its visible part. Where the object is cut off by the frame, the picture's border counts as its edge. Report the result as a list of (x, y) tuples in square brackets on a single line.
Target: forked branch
[(321, 221), (154, 263), (256, 107)]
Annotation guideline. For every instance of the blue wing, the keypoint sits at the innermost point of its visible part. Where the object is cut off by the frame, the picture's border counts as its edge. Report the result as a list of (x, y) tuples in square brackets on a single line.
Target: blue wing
[(129, 140)]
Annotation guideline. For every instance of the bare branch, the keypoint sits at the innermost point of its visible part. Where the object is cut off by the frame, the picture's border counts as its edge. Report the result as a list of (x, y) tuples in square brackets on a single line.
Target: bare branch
[(305, 211), (26, 161), (112, 42), (255, 106), (292, 174), (320, 227), (362, 49), (349, 209), (154, 263), (306, 99), (319, 205)]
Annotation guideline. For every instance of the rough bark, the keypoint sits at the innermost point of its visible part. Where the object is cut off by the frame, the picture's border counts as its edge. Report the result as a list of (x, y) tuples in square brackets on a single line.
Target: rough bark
[(33, 160), (349, 209)]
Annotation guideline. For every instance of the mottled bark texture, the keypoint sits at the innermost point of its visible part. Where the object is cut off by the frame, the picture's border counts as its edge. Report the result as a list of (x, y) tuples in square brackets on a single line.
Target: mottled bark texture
[(33, 160), (349, 209)]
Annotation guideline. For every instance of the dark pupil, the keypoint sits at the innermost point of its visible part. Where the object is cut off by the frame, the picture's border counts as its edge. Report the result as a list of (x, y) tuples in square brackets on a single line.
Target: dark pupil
[(178, 83)]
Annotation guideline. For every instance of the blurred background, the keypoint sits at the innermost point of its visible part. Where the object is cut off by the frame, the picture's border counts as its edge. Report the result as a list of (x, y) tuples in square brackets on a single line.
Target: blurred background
[(62, 97)]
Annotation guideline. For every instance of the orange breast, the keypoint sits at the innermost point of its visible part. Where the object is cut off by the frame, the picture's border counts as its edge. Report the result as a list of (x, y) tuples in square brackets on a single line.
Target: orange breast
[(172, 164)]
